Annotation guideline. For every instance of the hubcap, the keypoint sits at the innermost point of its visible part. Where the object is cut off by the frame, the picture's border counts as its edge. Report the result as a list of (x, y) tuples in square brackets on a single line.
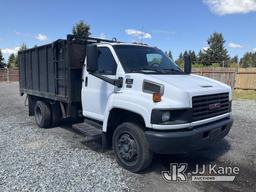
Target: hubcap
[(127, 147)]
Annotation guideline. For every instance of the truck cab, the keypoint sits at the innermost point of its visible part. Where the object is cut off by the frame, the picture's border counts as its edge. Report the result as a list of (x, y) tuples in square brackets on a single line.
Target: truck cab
[(147, 104)]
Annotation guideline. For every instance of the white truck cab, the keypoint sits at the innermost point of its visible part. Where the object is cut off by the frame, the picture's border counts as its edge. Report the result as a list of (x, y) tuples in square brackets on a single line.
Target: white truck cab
[(149, 105)]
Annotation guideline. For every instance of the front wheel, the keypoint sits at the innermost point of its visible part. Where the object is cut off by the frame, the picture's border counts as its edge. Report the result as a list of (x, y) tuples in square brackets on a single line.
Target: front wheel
[(131, 147)]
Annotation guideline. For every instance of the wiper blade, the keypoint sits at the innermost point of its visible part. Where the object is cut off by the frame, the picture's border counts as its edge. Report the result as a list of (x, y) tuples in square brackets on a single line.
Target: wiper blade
[(148, 68), (163, 71), (173, 70)]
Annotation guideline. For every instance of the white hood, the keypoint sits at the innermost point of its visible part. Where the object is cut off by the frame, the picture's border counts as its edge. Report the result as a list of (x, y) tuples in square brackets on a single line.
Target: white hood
[(179, 89), (193, 85), (191, 82)]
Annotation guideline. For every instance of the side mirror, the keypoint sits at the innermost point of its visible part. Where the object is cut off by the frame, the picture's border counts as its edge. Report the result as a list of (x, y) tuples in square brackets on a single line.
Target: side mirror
[(187, 64), (92, 56)]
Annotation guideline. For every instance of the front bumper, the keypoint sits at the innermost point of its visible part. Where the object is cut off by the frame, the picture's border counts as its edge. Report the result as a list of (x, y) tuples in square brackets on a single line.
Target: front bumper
[(184, 141)]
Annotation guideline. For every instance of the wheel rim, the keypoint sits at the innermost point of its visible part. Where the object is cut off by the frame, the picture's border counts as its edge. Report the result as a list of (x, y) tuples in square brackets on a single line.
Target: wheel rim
[(127, 149), (38, 114)]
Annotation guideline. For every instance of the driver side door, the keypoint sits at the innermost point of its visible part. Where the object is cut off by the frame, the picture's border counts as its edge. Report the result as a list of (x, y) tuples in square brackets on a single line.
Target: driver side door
[(95, 92)]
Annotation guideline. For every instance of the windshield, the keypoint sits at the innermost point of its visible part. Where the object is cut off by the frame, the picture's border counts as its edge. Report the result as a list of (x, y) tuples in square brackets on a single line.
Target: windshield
[(145, 60)]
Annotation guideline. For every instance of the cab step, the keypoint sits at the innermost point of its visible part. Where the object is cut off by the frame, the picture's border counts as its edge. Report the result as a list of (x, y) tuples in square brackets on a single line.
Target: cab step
[(92, 130)]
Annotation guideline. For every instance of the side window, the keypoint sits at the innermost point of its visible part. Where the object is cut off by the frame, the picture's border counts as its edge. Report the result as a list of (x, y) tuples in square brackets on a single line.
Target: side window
[(106, 62)]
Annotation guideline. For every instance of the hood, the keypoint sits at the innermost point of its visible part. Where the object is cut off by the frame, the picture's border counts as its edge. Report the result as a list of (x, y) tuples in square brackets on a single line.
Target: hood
[(179, 89), (191, 82)]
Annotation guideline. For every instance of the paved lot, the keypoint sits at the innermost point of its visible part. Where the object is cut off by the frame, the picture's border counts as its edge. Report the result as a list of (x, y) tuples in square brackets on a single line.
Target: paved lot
[(60, 159)]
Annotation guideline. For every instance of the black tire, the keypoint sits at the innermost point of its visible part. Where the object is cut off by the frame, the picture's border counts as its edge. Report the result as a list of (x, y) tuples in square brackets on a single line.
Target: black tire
[(42, 113), (131, 147), (56, 114)]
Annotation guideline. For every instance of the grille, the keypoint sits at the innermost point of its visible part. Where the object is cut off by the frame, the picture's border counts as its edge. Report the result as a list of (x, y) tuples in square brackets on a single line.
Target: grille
[(208, 106)]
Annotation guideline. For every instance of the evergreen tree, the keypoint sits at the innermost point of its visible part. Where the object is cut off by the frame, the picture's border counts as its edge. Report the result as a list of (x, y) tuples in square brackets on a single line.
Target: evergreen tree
[(193, 57), (12, 61), (181, 56), (185, 53), (180, 61), (15, 64), (2, 62), (170, 55), (216, 53), (234, 59), (81, 30), (248, 60), (23, 47), (233, 62), (1, 58), (202, 58)]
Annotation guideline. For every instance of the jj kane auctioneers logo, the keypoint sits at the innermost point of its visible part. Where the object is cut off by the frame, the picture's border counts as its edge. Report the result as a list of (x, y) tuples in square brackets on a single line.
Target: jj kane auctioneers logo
[(210, 172)]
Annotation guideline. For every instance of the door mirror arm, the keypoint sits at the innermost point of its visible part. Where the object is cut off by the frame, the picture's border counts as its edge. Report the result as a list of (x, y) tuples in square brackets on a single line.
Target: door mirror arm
[(116, 82)]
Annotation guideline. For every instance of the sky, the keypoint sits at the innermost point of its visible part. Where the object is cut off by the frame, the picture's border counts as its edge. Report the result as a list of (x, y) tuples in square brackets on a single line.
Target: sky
[(175, 25)]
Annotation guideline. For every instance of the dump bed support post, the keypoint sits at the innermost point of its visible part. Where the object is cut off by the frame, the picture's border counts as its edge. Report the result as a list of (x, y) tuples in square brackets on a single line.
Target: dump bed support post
[(64, 115)]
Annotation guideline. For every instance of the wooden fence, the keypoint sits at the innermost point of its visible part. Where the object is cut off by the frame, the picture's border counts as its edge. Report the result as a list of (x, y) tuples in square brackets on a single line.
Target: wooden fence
[(243, 78), (236, 78), (9, 75), (246, 79)]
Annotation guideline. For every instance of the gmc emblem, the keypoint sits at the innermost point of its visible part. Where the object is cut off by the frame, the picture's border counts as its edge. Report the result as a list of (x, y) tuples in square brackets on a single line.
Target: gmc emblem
[(214, 106)]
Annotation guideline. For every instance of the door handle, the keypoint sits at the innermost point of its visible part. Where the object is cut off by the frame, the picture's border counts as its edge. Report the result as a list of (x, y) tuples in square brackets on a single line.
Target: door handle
[(86, 81)]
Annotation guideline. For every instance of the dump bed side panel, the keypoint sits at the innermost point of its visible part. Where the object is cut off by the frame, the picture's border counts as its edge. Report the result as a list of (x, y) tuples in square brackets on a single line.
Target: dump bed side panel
[(53, 71)]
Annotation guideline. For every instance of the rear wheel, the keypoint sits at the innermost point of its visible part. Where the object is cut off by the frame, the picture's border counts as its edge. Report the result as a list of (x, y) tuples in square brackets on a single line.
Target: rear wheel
[(131, 147), (42, 113), (56, 114)]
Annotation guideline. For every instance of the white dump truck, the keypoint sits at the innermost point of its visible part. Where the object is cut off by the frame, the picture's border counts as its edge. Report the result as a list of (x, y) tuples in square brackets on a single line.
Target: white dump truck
[(138, 98)]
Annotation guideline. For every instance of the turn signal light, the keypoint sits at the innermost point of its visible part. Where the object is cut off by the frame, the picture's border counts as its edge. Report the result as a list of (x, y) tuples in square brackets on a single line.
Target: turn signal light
[(156, 97)]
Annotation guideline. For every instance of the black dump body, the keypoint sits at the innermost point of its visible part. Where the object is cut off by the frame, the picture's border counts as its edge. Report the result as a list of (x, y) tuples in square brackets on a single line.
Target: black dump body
[(54, 71)]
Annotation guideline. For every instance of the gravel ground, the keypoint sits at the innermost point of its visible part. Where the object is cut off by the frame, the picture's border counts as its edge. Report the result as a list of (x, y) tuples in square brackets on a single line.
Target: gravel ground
[(60, 159)]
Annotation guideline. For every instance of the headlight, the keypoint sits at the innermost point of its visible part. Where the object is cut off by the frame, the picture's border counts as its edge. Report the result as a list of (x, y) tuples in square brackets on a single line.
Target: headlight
[(171, 116), (166, 116)]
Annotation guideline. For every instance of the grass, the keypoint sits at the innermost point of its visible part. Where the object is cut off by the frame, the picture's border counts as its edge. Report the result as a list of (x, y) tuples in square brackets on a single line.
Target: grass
[(244, 94)]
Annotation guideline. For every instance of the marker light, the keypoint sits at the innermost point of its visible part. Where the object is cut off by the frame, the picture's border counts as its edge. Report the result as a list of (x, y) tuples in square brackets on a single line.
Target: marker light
[(156, 97)]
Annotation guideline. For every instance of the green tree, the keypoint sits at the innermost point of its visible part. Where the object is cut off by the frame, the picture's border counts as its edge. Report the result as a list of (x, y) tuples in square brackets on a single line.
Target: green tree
[(81, 30), (185, 53), (23, 47), (193, 56), (1, 57), (202, 57), (170, 55), (181, 55), (248, 60), (233, 62), (234, 59), (2, 64), (180, 61), (12, 61), (216, 53)]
